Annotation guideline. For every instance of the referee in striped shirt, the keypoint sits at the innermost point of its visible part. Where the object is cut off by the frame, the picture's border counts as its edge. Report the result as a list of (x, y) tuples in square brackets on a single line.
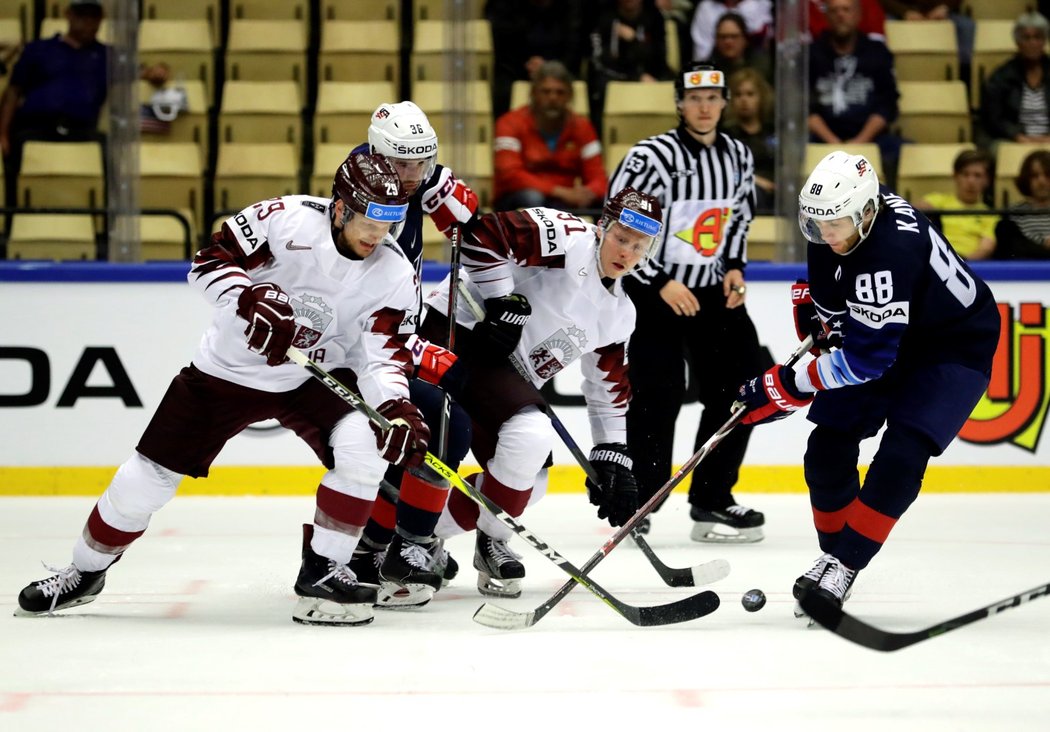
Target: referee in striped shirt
[(690, 303)]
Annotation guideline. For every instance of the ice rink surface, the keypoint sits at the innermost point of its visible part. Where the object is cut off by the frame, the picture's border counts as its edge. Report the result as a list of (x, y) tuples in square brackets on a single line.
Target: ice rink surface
[(194, 631)]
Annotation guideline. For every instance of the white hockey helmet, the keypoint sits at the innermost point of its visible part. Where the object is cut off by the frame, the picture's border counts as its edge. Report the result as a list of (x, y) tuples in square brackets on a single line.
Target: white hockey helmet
[(402, 131), (841, 186)]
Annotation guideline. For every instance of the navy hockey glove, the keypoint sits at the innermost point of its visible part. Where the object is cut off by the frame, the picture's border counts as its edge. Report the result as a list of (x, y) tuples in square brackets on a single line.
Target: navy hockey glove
[(807, 322), (505, 318), (405, 442), (271, 322), (771, 396), (617, 496)]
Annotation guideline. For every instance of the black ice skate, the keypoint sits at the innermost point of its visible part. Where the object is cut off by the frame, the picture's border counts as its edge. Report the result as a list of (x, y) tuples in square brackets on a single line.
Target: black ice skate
[(499, 570), (835, 583), (809, 581), (730, 525), (68, 587), (442, 562), (407, 575), (365, 564), (329, 593)]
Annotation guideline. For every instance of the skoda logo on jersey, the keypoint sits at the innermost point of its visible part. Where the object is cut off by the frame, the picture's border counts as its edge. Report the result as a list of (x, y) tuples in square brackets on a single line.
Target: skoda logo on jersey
[(639, 222), (386, 213)]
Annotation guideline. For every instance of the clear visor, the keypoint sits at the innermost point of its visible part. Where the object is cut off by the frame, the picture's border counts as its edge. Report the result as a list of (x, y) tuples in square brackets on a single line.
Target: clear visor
[(414, 171), (638, 223), (833, 231)]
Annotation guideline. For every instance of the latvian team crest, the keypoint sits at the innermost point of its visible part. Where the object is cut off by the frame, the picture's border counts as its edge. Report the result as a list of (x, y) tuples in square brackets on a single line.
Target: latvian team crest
[(315, 310), (557, 351)]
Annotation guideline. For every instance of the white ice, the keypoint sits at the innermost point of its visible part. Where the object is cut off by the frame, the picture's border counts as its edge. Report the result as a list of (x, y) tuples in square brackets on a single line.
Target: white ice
[(194, 631)]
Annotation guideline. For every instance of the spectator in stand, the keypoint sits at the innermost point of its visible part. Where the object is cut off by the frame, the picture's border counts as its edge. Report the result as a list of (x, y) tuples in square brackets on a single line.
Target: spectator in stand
[(972, 237), (733, 51), (57, 89), (545, 154), (1015, 102), (965, 28), (750, 120), (758, 14), (872, 19), (525, 33), (1028, 237), (853, 91), (628, 43)]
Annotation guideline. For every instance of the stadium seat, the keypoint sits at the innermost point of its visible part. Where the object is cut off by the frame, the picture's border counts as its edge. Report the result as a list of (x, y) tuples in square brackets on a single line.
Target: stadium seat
[(923, 50), (815, 152), (927, 168), (170, 177), (163, 237), (365, 50), (192, 124), (442, 105), (1008, 159), (934, 111), (344, 109), (270, 10), (184, 10), (437, 9), (635, 110), (249, 172), (993, 46), (432, 54), (51, 236), (186, 46), (266, 50), (471, 163), (357, 10), (674, 55), (61, 174), (327, 159), (519, 96), (614, 154), (260, 111), (995, 9), (762, 239), (23, 11)]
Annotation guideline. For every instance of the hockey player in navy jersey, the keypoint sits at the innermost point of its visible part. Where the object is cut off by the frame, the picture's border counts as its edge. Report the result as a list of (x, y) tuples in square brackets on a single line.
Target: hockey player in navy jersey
[(552, 294), (323, 275), (906, 333), (398, 553)]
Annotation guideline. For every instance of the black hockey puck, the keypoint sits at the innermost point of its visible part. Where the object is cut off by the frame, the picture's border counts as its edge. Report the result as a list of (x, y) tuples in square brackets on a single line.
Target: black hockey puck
[(753, 600)]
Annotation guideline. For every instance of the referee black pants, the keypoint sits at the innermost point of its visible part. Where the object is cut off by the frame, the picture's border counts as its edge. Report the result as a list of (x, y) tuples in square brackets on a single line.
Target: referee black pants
[(719, 348)]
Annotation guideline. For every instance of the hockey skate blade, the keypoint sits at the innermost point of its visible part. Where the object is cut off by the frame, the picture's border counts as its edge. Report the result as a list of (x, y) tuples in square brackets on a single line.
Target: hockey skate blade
[(494, 616), (709, 572), (708, 532), (494, 587), (393, 596), (318, 611), (20, 613)]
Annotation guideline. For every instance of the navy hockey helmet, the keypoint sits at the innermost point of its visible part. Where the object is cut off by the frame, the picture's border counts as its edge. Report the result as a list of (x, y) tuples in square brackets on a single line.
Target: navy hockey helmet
[(635, 210), (368, 185)]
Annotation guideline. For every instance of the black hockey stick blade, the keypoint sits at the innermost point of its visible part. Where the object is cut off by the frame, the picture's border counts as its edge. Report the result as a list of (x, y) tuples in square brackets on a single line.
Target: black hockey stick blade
[(696, 576), (855, 630)]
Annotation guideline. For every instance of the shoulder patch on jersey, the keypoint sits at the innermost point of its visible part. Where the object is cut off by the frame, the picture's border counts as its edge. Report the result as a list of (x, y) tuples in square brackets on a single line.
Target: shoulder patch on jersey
[(551, 241), (315, 206)]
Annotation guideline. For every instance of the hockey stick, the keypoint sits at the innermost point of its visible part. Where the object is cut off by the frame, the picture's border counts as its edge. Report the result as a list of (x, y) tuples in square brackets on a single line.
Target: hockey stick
[(853, 629), (497, 617), (679, 611), (446, 400), (697, 576)]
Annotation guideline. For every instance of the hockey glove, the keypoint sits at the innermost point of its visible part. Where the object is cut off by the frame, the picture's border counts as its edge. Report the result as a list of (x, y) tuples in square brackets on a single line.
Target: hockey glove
[(771, 396), (271, 322), (405, 442), (807, 322), (436, 365), (617, 496), (505, 318)]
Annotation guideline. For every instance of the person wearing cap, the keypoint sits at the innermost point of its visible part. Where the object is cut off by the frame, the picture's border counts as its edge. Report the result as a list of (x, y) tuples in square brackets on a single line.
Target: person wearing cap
[(322, 275), (542, 290), (691, 303), (57, 89), (904, 334)]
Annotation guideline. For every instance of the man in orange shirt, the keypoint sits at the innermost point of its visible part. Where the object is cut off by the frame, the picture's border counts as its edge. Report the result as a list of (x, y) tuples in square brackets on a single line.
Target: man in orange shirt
[(546, 155)]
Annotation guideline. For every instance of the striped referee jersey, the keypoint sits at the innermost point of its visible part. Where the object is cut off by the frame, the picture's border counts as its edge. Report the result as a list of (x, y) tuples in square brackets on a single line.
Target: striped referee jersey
[(708, 197)]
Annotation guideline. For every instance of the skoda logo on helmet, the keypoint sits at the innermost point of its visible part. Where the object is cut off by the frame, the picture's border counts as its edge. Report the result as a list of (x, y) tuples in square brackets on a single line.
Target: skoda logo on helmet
[(815, 211)]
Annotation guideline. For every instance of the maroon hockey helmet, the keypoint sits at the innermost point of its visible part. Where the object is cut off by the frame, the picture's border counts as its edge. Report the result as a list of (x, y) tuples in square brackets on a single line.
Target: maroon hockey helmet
[(368, 185), (635, 210)]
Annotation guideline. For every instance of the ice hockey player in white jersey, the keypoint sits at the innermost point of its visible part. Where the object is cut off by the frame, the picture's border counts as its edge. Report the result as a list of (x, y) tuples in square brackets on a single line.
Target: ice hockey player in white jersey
[(326, 277), (552, 294)]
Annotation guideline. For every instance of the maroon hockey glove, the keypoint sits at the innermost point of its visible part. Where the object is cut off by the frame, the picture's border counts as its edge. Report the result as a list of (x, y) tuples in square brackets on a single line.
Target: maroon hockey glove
[(405, 443), (617, 496), (505, 318), (271, 322), (436, 365), (772, 396)]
